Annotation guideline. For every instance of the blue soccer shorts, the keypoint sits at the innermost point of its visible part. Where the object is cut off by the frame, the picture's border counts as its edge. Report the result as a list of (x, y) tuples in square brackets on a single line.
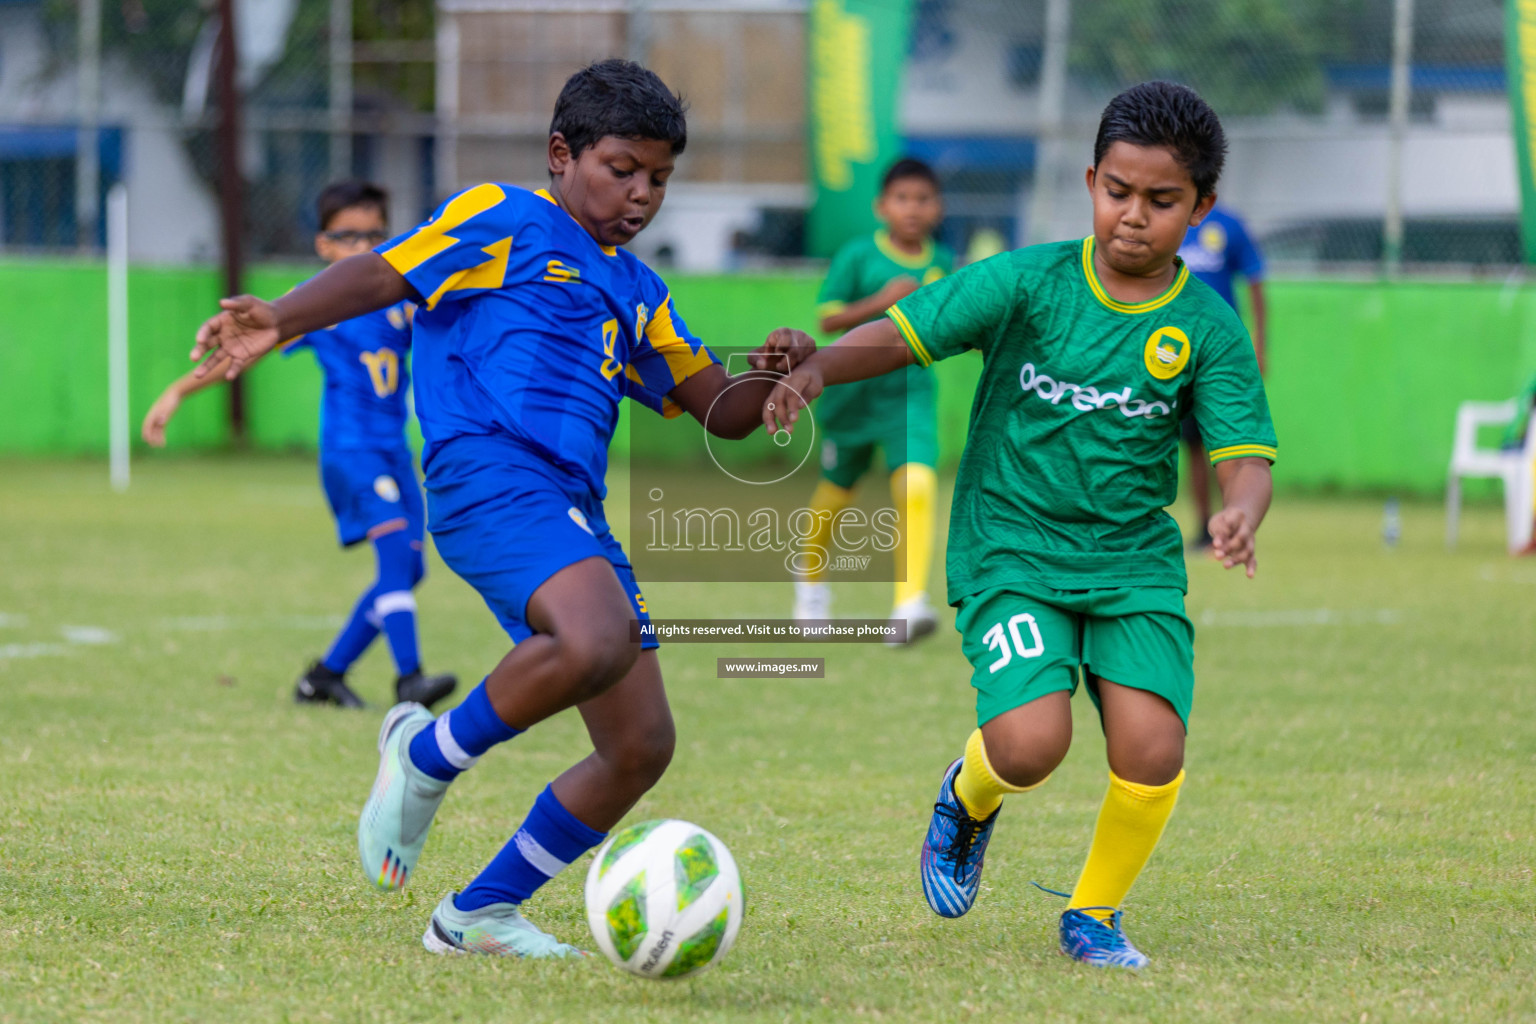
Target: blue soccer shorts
[(506, 520), (368, 488)]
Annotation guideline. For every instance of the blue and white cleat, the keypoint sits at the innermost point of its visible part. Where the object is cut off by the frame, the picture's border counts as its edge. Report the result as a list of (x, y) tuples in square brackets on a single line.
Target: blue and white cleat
[(1086, 938), (393, 825), (953, 851), (499, 930)]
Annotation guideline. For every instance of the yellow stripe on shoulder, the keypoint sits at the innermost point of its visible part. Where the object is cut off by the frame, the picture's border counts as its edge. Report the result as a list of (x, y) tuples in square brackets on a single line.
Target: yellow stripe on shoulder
[(489, 274), (909, 335), (432, 238), (682, 359)]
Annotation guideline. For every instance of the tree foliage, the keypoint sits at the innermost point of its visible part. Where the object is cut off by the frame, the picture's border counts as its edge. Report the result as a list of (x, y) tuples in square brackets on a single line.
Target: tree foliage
[(157, 38), (1244, 56)]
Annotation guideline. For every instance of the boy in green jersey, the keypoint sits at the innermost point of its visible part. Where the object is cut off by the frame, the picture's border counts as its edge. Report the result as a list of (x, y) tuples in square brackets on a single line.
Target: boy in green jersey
[(1062, 560), (895, 413)]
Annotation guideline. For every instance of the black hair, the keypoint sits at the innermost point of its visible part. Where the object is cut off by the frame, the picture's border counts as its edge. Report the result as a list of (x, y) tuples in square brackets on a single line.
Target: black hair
[(1168, 115), (620, 98), (909, 167), (342, 195)]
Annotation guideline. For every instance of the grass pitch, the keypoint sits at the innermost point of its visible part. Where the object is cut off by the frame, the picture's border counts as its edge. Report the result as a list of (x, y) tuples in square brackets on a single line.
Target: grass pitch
[(1355, 841)]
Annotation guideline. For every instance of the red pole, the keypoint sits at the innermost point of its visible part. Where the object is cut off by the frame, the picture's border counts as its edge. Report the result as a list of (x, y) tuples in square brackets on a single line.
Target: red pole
[(231, 189)]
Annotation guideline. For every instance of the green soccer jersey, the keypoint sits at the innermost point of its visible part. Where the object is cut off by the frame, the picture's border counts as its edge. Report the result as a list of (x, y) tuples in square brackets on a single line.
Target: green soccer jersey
[(869, 409), (1072, 455)]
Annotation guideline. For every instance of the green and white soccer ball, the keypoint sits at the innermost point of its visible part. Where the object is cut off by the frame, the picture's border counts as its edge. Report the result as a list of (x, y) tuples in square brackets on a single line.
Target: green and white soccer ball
[(664, 899)]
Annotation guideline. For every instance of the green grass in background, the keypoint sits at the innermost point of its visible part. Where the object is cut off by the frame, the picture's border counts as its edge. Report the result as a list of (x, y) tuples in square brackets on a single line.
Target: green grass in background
[(1355, 841)]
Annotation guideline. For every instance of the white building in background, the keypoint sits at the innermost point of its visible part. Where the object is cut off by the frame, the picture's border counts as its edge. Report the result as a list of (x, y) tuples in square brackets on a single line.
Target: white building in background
[(173, 212), (1316, 185), (172, 216), (1313, 186), (740, 64), (970, 106)]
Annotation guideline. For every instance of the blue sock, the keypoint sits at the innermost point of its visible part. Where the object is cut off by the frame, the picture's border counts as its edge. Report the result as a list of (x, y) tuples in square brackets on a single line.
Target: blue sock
[(458, 737), (398, 610), (548, 841), (394, 606), (355, 636)]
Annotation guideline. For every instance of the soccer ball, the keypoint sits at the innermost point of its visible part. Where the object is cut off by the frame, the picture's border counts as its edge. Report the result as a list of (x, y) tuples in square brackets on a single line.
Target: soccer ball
[(664, 899)]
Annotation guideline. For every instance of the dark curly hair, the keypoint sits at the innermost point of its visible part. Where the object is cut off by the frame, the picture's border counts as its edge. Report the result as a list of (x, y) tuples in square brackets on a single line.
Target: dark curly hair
[(1168, 115), (342, 195), (621, 98)]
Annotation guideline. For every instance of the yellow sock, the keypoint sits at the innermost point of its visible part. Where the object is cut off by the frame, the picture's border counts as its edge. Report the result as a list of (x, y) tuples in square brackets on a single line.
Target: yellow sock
[(1130, 824), (913, 487), (979, 788), (826, 502)]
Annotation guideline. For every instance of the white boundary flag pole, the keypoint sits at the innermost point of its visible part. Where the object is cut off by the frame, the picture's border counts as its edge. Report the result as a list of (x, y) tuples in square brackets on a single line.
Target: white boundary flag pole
[(117, 333)]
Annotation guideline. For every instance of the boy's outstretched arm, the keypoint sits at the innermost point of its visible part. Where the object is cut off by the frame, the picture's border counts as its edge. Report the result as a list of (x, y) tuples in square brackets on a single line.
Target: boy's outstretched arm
[(869, 307), (868, 351), (1245, 492), (159, 414), (729, 406), (248, 327)]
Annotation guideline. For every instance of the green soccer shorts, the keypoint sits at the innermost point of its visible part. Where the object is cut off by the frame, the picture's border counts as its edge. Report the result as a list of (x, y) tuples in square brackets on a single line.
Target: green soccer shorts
[(846, 455), (1024, 641), (843, 462)]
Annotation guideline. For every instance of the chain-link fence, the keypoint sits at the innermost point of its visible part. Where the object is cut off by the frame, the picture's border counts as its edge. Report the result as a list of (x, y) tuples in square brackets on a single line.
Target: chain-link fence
[(98, 91), (1328, 163)]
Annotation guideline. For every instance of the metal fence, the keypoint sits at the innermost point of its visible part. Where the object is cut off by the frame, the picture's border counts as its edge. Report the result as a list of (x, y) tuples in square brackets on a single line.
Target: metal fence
[(1362, 131)]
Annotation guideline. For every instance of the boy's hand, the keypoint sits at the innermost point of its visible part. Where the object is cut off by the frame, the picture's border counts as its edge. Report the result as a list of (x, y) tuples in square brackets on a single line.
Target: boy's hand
[(896, 289), (246, 330), (785, 349), (1232, 540), (153, 430), (789, 396)]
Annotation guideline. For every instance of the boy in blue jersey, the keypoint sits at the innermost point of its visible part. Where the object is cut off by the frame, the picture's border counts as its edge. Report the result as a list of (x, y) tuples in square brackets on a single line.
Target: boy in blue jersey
[(1216, 251), (365, 463), (534, 324)]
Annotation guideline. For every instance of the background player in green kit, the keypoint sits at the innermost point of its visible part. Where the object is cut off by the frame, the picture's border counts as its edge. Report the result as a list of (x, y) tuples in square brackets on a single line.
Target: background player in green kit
[(895, 413), (1062, 560)]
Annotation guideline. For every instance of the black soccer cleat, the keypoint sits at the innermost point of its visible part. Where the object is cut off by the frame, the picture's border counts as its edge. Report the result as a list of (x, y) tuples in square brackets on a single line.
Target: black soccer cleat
[(319, 685), (424, 689)]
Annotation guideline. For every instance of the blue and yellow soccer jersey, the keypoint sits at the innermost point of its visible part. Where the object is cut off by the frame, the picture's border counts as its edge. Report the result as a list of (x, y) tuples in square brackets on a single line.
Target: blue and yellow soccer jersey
[(529, 328), (1220, 249), (366, 379)]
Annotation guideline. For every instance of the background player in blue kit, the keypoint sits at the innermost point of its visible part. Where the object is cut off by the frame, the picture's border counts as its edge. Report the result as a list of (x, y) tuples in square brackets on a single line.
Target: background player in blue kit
[(1216, 251), (534, 325), (365, 463)]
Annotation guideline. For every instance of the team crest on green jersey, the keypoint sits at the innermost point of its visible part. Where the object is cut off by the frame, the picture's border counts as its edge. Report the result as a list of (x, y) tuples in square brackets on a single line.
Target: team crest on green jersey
[(1166, 353)]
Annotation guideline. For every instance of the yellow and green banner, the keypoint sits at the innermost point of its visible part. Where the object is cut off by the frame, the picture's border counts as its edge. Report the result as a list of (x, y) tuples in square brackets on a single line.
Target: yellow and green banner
[(1520, 50), (856, 51)]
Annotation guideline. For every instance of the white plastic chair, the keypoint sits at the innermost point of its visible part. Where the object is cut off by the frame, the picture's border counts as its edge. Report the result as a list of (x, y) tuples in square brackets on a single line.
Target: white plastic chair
[(1511, 467)]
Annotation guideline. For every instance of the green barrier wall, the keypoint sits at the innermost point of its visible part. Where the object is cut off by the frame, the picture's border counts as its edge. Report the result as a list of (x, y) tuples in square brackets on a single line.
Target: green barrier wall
[(1364, 377)]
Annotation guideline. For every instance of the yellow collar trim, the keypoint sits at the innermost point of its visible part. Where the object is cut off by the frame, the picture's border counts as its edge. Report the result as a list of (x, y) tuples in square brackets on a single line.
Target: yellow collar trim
[(543, 193), (922, 259), (1130, 307)]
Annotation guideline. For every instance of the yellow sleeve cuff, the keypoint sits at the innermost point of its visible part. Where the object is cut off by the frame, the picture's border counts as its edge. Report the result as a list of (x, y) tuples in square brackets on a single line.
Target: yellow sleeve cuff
[(1242, 451), (909, 335)]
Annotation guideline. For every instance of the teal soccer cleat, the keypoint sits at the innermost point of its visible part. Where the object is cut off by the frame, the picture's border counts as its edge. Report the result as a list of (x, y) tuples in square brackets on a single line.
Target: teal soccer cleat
[(498, 930), (395, 820), (1086, 938), (953, 851)]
